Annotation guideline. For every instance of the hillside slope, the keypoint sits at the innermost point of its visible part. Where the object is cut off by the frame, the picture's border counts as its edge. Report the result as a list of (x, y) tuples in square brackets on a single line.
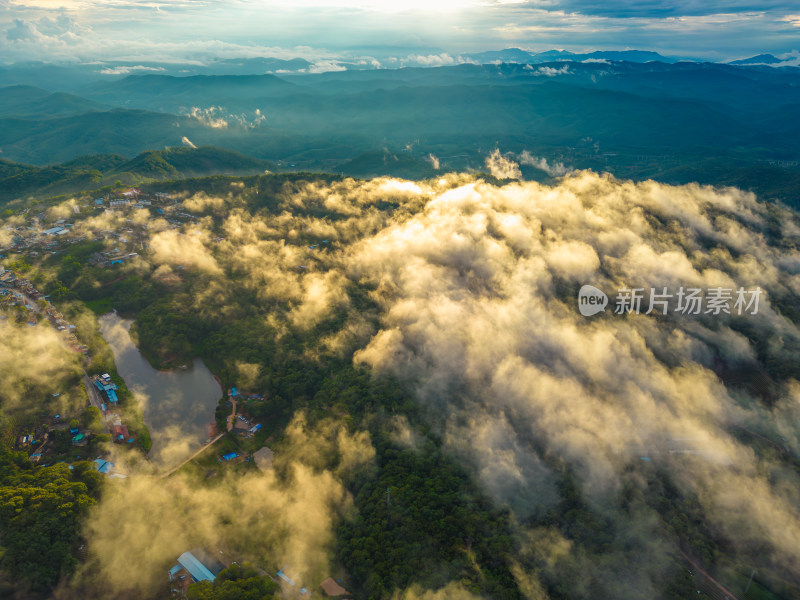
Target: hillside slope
[(94, 171)]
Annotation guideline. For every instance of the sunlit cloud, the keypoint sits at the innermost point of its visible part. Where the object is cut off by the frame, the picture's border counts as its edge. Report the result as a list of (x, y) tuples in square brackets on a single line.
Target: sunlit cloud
[(428, 33)]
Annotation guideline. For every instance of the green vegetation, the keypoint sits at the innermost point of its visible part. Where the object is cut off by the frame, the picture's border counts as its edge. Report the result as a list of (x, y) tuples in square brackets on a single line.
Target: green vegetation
[(419, 517), (236, 583), (101, 173), (41, 513), (420, 521)]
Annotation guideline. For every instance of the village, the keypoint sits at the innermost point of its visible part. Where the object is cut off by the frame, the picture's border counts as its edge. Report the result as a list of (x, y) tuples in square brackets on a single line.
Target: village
[(99, 421), (85, 434), (41, 235)]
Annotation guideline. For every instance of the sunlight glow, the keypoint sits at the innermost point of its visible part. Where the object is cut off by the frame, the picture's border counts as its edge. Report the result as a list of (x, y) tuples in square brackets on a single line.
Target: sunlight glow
[(390, 6)]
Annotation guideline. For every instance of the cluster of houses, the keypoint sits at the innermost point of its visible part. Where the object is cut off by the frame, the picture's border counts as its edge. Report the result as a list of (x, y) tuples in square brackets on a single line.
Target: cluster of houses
[(244, 428), (18, 291), (107, 391), (111, 257), (198, 565), (43, 434), (34, 238)]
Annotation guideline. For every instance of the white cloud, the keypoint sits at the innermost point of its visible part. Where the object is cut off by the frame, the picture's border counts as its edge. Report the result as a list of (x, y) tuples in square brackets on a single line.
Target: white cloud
[(126, 70), (326, 66), (554, 170), (502, 167)]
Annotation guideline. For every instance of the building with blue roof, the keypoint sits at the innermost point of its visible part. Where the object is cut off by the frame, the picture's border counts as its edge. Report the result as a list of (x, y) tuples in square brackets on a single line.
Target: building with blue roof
[(195, 568), (285, 577), (199, 565), (103, 466)]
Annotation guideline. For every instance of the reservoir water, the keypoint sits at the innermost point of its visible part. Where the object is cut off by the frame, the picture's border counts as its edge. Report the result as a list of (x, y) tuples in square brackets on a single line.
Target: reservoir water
[(177, 405)]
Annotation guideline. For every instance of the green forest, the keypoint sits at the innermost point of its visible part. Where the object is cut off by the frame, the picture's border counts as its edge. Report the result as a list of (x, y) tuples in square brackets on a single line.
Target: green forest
[(421, 517)]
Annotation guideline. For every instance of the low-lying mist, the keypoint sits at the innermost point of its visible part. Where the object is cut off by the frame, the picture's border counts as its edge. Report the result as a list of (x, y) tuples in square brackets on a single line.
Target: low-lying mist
[(471, 290)]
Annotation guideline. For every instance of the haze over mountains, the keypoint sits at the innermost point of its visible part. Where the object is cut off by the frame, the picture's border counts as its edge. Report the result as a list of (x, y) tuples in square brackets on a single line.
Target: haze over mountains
[(445, 419), (634, 113)]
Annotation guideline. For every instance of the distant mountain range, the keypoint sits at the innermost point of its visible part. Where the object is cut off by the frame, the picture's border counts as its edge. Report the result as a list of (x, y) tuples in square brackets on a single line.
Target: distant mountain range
[(515, 55), (761, 59), (71, 77), (634, 117)]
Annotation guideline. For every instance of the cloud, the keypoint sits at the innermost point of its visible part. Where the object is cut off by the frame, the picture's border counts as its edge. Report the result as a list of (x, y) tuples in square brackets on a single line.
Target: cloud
[(502, 167), (451, 591), (187, 142), (436, 60), (472, 307), (554, 170), (129, 69), (552, 71), (203, 32), (284, 516), (34, 360), (65, 210), (478, 314), (218, 117), (326, 66), (434, 160), (22, 30), (189, 250), (660, 9), (210, 117)]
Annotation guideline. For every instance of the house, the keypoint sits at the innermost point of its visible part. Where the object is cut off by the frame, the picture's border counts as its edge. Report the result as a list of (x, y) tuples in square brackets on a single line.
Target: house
[(120, 432), (112, 396), (199, 565), (263, 458), (107, 468), (104, 383), (174, 571), (103, 466)]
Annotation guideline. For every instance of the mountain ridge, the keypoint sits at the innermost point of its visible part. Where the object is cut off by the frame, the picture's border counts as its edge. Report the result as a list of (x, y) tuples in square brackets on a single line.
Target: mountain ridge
[(95, 171)]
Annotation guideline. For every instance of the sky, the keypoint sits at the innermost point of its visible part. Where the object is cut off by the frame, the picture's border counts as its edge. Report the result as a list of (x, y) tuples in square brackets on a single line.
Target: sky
[(406, 32)]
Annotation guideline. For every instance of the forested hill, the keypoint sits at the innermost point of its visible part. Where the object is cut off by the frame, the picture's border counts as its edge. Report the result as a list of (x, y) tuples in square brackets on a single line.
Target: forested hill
[(95, 171), (712, 122)]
